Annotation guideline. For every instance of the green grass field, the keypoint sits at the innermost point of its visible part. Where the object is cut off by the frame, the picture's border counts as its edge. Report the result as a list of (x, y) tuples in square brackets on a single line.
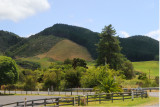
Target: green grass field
[(128, 102), (146, 66)]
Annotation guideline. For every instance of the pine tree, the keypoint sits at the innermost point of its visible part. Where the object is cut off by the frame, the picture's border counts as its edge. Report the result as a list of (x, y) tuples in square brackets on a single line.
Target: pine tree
[(109, 49)]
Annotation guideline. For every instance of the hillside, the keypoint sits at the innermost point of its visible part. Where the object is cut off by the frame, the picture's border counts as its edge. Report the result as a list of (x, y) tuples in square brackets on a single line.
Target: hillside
[(8, 39), (33, 46), (135, 48), (139, 48), (79, 35), (67, 49)]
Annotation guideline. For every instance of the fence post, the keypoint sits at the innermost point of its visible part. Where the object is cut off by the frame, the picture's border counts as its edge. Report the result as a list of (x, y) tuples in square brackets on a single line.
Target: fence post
[(73, 100), (44, 102), (25, 102), (26, 92), (57, 99), (99, 99), (142, 94), (136, 93), (32, 103), (38, 91), (71, 91), (83, 91), (48, 91), (17, 103), (132, 95), (79, 100), (9, 90), (77, 91), (87, 99), (123, 96), (112, 97)]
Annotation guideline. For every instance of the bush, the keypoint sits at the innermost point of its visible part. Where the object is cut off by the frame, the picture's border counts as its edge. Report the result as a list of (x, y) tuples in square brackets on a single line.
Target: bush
[(127, 67), (142, 76), (30, 83), (72, 78)]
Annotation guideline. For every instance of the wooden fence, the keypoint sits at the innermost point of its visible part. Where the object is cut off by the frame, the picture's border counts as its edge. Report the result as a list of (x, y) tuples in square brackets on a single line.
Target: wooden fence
[(79, 100)]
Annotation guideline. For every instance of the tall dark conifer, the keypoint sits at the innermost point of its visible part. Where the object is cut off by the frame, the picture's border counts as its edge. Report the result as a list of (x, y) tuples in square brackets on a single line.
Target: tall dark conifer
[(109, 49)]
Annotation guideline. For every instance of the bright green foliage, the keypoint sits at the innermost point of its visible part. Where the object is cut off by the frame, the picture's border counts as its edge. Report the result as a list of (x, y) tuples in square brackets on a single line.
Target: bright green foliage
[(109, 49), (8, 71), (94, 76), (52, 77), (30, 83), (108, 85)]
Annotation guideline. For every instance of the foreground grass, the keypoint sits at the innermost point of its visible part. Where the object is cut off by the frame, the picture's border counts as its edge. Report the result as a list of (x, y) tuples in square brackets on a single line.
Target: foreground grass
[(128, 102), (145, 66)]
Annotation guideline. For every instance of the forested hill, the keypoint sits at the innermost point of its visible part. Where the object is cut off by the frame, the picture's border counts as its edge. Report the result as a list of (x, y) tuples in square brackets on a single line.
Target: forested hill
[(8, 39), (139, 48), (81, 36), (135, 48)]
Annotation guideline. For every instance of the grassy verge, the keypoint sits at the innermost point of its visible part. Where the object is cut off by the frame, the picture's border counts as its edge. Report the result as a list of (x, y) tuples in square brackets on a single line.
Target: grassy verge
[(129, 102)]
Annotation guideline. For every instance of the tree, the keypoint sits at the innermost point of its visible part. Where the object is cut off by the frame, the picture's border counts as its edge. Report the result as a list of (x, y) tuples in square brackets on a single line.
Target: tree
[(72, 78), (79, 62), (8, 71), (109, 49)]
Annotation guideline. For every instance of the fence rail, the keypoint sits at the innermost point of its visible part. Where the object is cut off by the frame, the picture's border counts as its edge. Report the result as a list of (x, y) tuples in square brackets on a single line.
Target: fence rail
[(79, 100)]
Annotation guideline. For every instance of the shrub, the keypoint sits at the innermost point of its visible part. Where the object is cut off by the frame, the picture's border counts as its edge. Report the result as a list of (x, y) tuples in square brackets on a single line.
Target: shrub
[(142, 76), (30, 83), (127, 67)]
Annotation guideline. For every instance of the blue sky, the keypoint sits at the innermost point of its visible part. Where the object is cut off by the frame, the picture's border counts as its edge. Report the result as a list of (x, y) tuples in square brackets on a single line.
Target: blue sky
[(128, 17)]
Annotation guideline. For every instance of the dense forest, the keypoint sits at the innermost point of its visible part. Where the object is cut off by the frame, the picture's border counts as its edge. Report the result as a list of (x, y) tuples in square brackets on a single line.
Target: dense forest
[(135, 48)]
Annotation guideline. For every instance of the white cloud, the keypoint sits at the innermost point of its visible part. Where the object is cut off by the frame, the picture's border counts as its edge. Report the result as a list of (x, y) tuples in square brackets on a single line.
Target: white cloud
[(154, 34), (124, 34), (16, 10)]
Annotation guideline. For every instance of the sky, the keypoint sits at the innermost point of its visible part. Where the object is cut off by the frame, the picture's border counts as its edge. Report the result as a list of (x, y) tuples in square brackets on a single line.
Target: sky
[(128, 17)]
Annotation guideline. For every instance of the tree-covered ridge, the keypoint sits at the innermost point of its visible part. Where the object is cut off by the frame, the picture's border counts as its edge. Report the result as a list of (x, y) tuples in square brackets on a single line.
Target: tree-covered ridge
[(8, 39), (33, 46), (135, 48), (82, 36), (139, 48)]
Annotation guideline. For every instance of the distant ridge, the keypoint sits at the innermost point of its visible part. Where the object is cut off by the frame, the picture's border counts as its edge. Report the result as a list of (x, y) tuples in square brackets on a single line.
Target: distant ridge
[(135, 48)]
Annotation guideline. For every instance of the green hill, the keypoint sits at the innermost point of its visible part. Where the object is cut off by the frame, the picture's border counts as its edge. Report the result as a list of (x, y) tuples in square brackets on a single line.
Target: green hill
[(8, 39), (135, 48), (79, 35), (139, 48)]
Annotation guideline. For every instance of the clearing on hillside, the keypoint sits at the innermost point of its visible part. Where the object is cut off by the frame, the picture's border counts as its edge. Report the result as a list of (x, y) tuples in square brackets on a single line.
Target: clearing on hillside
[(146, 66), (67, 49)]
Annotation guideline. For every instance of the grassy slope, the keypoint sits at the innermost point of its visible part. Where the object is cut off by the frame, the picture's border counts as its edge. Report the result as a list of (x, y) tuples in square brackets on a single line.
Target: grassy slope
[(145, 66), (67, 49)]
